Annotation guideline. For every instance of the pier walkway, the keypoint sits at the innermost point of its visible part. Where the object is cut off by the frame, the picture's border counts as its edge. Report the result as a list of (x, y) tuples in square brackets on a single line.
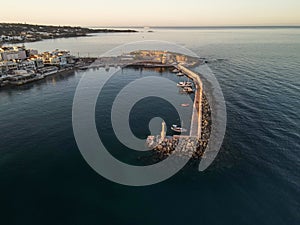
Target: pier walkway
[(189, 145), (196, 121)]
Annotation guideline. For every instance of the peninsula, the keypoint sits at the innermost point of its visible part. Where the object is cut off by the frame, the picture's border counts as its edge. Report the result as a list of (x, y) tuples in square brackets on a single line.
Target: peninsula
[(22, 32)]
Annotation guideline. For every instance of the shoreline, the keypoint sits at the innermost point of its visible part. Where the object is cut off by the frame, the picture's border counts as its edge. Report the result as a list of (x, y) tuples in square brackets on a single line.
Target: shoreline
[(19, 33), (9, 80)]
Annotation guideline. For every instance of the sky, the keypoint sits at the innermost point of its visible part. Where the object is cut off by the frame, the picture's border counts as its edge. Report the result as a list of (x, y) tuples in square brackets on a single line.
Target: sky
[(152, 12)]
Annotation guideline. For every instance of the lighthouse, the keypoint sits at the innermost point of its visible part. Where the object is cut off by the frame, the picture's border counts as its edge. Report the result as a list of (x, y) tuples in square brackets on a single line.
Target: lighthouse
[(163, 131)]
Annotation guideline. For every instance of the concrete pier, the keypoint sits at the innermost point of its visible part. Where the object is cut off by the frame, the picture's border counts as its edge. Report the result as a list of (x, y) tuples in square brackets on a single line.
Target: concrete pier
[(194, 144), (195, 128)]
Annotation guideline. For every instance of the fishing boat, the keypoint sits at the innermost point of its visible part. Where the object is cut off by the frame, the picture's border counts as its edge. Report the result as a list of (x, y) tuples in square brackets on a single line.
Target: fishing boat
[(184, 84), (178, 129), (188, 90)]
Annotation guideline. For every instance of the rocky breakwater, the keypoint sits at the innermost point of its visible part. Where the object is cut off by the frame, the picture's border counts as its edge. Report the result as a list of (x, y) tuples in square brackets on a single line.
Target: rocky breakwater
[(186, 146)]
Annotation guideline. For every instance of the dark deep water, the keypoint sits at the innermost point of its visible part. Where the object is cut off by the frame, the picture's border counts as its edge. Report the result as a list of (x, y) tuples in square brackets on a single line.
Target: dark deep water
[(254, 180)]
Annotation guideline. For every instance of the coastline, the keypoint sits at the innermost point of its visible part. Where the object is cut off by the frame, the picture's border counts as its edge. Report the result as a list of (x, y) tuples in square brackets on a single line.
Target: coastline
[(10, 81), (18, 33)]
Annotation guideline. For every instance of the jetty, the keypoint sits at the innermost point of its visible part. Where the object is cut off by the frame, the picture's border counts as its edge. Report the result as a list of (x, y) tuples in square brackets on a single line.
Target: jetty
[(195, 128), (193, 144)]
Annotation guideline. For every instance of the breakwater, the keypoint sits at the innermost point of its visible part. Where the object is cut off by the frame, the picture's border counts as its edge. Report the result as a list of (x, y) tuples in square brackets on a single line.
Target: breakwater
[(189, 146), (195, 130), (194, 145)]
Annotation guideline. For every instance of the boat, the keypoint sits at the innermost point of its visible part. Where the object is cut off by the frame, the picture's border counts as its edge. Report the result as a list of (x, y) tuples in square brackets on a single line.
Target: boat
[(184, 84), (178, 129), (185, 105), (180, 74), (175, 71), (48, 71), (188, 90), (20, 77)]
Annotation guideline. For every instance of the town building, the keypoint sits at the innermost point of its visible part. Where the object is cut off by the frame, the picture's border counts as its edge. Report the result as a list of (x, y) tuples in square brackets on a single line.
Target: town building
[(20, 58), (12, 53)]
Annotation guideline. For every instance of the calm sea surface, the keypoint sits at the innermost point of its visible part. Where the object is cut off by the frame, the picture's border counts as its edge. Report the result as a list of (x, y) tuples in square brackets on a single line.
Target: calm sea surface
[(254, 180)]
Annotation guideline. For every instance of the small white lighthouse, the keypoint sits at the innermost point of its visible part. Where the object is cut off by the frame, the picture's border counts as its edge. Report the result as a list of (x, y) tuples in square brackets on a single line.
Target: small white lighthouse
[(163, 131)]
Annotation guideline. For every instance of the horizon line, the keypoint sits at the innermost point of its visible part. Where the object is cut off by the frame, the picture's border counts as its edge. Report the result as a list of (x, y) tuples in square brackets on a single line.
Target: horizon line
[(160, 26), (200, 26)]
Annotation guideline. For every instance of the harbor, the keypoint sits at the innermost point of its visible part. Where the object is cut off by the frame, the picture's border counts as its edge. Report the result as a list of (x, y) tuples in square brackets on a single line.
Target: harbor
[(19, 66), (193, 142)]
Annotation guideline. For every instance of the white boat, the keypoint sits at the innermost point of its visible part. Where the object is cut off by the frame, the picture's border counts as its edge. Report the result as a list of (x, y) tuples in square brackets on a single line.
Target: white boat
[(180, 74), (175, 71), (185, 105), (188, 90), (178, 129), (184, 84)]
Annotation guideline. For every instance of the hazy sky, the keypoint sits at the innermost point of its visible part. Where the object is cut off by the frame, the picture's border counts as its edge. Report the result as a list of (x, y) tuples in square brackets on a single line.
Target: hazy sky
[(152, 12)]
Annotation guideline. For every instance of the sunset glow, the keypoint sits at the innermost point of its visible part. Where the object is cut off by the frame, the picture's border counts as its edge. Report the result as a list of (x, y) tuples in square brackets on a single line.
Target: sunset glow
[(153, 13)]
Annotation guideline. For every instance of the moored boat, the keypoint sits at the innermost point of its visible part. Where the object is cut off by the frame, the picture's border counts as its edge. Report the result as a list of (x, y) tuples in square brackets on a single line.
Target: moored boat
[(184, 84), (188, 90), (178, 129)]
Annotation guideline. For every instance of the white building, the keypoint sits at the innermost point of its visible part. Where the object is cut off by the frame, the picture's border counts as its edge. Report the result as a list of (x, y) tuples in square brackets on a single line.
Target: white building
[(27, 65), (12, 53), (6, 66)]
